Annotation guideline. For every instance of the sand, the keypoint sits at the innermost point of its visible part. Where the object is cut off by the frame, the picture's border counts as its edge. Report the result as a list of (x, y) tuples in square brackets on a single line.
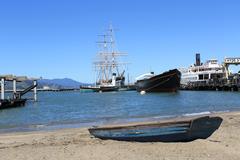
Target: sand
[(78, 144)]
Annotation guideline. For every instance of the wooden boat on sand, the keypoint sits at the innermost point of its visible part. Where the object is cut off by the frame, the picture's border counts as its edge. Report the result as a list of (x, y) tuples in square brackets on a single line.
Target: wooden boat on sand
[(172, 131)]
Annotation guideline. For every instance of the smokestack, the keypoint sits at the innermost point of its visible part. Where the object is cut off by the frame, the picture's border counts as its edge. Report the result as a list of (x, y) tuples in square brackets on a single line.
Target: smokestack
[(198, 60)]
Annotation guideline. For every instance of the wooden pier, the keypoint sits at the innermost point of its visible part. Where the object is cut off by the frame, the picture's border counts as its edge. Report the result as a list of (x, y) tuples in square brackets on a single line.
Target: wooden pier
[(16, 100)]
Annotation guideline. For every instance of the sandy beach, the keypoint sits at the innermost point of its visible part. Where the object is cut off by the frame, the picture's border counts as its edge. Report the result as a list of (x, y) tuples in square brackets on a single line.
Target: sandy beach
[(76, 144)]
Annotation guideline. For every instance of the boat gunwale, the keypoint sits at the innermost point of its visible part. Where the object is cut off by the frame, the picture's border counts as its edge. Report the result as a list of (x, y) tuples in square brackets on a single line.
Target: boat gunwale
[(149, 124), (178, 124)]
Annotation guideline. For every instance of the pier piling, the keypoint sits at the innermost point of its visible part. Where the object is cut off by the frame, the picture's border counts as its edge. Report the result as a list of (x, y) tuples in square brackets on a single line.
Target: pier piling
[(14, 88), (35, 90), (2, 88), (14, 79)]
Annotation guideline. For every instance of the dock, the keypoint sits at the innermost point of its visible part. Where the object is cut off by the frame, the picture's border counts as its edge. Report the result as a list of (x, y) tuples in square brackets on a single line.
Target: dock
[(231, 83), (214, 85)]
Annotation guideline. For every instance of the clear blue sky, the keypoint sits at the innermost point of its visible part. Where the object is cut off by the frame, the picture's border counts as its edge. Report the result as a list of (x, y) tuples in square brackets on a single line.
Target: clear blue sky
[(56, 38)]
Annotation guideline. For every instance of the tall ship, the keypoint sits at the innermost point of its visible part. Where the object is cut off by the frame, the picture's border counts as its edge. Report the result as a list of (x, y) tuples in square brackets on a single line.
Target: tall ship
[(166, 82), (108, 70), (200, 74)]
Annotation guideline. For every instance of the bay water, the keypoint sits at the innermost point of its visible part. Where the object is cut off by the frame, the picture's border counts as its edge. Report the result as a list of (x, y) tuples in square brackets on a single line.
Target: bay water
[(56, 110)]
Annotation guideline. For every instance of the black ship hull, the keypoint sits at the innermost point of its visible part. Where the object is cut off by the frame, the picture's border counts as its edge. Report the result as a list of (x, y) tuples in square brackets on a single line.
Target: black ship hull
[(108, 88), (166, 82)]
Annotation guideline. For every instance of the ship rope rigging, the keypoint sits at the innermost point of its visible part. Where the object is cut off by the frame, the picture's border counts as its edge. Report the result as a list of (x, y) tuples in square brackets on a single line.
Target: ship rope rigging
[(107, 63)]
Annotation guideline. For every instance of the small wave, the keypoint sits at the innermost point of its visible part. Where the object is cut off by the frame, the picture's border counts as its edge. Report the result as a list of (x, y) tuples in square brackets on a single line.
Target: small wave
[(163, 117), (221, 111), (38, 126), (197, 113)]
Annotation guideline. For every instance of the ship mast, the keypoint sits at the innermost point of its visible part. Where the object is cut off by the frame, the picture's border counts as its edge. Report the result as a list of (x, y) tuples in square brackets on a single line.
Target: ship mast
[(107, 58)]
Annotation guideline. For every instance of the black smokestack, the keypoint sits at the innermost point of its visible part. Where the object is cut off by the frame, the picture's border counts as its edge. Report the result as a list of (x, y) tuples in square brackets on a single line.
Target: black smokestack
[(198, 60)]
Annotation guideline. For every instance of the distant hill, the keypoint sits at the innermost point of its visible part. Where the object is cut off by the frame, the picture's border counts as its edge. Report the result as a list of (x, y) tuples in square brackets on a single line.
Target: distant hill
[(59, 83), (65, 83)]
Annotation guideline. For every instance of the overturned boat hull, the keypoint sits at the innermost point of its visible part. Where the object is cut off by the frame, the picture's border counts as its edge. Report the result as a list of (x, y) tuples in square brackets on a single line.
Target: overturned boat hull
[(177, 131)]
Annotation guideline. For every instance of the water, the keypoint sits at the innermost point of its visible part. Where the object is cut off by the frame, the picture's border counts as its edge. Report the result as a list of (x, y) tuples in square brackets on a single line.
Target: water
[(74, 109)]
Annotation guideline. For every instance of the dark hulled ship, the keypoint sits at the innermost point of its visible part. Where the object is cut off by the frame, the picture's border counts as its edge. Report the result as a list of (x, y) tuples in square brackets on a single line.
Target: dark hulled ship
[(166, 82)]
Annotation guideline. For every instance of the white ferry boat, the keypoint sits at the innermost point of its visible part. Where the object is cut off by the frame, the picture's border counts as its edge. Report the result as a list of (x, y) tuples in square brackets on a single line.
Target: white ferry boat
[(200, 72)]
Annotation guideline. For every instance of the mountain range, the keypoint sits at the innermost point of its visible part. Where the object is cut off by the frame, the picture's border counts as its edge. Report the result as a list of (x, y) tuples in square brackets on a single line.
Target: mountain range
[(60, 83), (65, 83)]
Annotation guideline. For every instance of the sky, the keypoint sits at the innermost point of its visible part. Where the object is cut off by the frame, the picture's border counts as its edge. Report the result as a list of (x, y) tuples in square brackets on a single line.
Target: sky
[(57, 38)]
